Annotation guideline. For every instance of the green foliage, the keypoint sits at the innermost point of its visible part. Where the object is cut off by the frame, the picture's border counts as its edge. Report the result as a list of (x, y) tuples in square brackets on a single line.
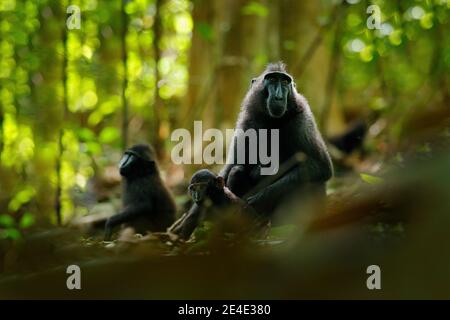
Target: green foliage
[(31, 91), (10, 230), (9, 233), (22, 197), (255, 8), (27, 220), (109, 135), (205, 30), (389, 73), (6, 221), (370, 179)]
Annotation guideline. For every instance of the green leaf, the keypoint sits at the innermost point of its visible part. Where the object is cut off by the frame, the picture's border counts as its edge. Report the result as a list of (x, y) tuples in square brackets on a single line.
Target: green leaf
[(26, 221), (22, 197), (10, 234), (109, 135), (205, 30), (85, 134), (371, 179), (6, 220), (255, 8), (94, 148)]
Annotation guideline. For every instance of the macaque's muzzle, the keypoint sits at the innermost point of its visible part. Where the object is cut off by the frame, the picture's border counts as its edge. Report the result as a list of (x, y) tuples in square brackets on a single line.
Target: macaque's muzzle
[(277, 108)]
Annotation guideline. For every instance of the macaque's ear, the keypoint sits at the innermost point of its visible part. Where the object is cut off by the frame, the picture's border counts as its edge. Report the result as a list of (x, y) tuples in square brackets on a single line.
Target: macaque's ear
[(253, 81), (220, 182)]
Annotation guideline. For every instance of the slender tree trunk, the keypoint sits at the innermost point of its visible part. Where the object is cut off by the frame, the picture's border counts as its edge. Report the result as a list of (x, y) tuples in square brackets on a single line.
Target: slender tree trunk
[(232, 62), (273, 31), (61, 130), (335, 57), (125, 76), (157, 103), (202, 77)]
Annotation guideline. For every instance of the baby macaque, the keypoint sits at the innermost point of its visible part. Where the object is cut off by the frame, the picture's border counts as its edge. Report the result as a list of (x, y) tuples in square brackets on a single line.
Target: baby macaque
[(210, 198)]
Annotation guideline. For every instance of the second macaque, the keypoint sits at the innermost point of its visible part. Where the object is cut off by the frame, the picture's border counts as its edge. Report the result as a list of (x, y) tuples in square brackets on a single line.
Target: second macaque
[(211, 200)]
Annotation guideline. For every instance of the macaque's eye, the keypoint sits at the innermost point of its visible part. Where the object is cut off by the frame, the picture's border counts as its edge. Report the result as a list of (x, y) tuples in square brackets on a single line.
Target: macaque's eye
[(197, 187), (284, 82), (272, 79)]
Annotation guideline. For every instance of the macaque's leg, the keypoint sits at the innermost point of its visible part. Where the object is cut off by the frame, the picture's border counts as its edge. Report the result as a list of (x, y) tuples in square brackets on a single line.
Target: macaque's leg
[(185, 226), (239, 181)]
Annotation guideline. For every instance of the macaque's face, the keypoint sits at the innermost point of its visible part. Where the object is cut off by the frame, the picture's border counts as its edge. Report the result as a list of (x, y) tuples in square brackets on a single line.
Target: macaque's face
[(203, 183), (278, 87), (137, 159), (198, 191)]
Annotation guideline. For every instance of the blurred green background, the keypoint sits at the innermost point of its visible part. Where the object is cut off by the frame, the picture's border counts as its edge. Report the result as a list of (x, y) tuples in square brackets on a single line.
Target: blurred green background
[(71, 100)]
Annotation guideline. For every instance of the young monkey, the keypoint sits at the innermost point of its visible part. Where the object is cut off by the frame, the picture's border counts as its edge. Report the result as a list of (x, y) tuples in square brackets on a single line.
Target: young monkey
[(210, 197)]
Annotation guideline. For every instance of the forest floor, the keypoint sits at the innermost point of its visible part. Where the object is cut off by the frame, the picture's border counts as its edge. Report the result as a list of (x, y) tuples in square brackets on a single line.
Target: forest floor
[(398, 223)]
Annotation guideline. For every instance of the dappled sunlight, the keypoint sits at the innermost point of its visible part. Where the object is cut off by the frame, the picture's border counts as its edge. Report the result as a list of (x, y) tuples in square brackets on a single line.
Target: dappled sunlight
[(76, 93)]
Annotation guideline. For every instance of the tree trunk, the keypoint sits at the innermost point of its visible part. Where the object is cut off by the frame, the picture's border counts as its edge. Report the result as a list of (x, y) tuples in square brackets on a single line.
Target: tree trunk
[(125, 76), (158, 106)]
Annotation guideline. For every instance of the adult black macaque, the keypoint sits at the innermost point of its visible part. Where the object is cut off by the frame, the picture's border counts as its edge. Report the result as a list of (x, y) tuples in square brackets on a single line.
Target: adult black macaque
[(147, 203), (273, 102), (210, 198)]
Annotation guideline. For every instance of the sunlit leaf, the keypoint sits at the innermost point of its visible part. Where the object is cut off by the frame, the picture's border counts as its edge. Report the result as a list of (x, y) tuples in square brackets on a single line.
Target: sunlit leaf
[(22, 197), (370, 179), (255, 8), (27, 220), (396, 37), (94, 148), (183, 23), (109, 135), (7, 5), (85, 134), (427, 21)]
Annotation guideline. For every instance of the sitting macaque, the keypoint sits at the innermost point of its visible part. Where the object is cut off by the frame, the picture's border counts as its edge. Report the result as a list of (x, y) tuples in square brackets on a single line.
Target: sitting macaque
[(205, 185), (147, 203), (273, 102), (210, 198)]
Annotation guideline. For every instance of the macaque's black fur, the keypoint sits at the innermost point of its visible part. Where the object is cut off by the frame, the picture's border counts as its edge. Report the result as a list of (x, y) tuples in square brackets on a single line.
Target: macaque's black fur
[(298, 136), (147, 203), (213, 197), (352, 139), (214, 189)]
